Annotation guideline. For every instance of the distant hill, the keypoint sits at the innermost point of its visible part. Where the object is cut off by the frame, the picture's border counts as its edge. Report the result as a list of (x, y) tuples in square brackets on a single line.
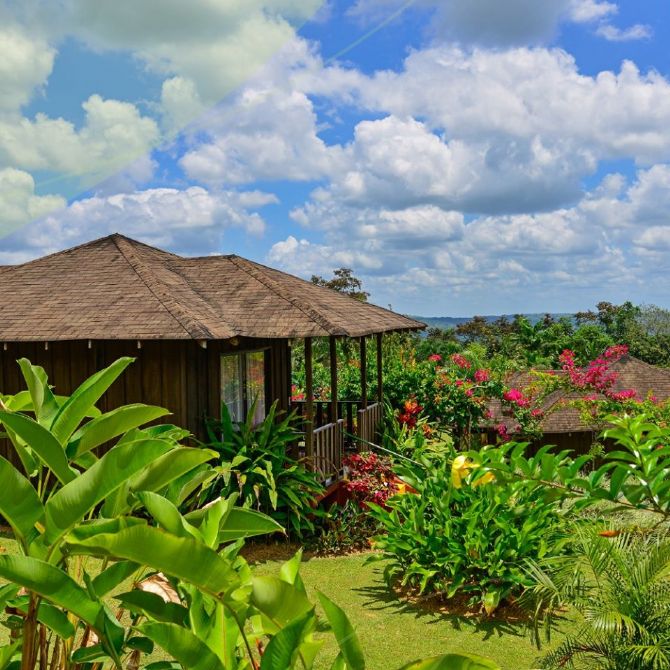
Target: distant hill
[(453, 321)]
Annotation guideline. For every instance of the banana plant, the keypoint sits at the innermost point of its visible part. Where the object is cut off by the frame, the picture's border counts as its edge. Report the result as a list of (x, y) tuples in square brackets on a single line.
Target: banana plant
[(88, 524)]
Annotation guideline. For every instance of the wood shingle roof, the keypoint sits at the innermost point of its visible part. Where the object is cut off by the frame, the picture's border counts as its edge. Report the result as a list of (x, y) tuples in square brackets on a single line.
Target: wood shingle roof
[(561, 417), (116, 288)]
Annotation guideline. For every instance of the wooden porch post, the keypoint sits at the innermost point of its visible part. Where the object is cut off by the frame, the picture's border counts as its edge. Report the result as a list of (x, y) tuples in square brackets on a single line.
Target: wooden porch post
[(333, 380), (380, 376), (309, 400), (364, 375)]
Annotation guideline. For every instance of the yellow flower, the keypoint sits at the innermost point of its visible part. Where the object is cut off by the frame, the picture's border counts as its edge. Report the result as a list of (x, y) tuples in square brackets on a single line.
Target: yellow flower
[(459, 470), (486, 479), (401, 488)]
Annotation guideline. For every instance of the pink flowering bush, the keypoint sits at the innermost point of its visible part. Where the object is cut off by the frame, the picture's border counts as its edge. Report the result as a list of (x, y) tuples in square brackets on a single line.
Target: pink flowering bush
[(596, 375)]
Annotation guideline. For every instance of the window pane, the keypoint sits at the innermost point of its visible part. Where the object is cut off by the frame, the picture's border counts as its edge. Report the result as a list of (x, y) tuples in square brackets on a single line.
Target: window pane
[(231, 386), (256, 383)]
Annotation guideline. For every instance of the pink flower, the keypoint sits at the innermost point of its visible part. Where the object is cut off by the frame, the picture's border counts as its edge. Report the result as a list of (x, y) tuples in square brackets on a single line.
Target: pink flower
[(461, 361), (469, 393), (436, 358), (482, 375), (627, 394), (616, 352), (515, 397), (537, 413)]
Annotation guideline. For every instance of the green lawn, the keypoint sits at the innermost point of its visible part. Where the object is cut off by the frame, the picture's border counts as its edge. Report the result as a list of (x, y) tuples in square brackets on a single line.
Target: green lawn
[(393, 632)]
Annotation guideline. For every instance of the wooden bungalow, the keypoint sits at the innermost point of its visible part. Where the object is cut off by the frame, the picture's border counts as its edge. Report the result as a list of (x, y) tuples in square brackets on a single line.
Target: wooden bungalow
[(562, 424), (203, 331)]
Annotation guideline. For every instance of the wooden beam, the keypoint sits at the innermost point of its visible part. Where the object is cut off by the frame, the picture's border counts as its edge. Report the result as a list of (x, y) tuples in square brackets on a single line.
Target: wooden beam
[(364, 375), (380, 376), (333, 380), (309, 400)]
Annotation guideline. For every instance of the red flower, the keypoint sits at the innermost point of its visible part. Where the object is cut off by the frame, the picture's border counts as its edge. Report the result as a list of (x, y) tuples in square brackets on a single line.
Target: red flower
[(436, 358), (461, 361), (482, 376)]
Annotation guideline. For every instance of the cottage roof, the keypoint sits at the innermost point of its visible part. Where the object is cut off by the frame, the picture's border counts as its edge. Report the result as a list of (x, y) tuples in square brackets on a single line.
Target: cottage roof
[(561, 417), (116, 288)]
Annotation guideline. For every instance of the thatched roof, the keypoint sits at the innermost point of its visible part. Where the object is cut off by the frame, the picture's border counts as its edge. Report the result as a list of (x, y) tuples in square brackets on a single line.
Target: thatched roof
[(561, 417), (116, 288)]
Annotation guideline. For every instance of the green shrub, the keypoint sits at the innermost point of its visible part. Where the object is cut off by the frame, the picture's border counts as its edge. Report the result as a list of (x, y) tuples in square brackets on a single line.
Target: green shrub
[(256, 464), (464, 533), (344, 529)]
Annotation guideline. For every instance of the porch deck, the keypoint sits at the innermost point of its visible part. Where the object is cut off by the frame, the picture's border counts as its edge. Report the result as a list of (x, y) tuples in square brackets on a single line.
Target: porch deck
[(334, 437)]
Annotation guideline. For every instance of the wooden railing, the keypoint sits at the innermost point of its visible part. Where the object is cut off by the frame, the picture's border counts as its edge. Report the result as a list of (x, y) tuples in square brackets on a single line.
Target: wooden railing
[(369, 420), (328, 449), (331, 440), (347, 411)]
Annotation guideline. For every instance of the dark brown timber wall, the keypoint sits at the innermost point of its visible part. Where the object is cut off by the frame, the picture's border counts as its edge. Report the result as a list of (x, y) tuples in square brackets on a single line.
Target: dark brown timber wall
[(179, 375)]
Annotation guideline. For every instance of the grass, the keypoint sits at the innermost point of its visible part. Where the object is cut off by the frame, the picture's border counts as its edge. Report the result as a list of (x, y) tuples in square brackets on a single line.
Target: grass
[(394, 632)]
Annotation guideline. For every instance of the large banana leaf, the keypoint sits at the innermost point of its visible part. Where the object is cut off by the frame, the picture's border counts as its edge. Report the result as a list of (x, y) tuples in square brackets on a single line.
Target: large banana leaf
[(278, 602), (165, 514), (19, 503), (70, 504), (153, 607), (238, 522), (44, 403), (26, 456), (284, 647), (169, 467), (242, 522), (183, 645), (112, 576), (347, 640), (73, 411), (156, 476), (52, 584), (110, 425), (181, 557), (52, 617), (42, 442)]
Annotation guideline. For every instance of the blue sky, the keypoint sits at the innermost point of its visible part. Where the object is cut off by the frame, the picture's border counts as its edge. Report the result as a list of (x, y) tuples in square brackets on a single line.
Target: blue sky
[(462, 156)]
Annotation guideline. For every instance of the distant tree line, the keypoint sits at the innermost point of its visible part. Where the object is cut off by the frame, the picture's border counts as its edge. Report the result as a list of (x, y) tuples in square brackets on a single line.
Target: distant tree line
[(516, 342), (644, 328)]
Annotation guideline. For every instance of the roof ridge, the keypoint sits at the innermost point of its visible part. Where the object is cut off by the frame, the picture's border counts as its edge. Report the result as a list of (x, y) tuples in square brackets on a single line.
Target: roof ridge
[(253, 270), (191, 326), (329, 290), (192, 284)]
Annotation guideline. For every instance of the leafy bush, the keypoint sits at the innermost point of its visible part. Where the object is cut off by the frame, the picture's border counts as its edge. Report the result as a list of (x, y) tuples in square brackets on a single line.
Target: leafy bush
[(255, 463), (619, 589), (192, 595), (462, 532), (633, 476)]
